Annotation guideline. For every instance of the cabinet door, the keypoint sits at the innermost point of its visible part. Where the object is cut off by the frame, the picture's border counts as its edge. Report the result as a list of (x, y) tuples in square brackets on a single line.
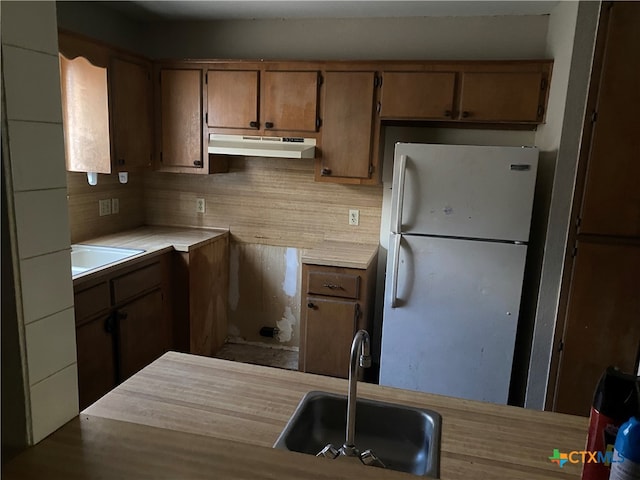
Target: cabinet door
[(417, 95), (611, 204), (602, 325), (181, 118), (143, 333), (85, 116), (501, 97), (348, 124), (96, 361), (290, 101), (330, 326), (232, 98), (132, 114)]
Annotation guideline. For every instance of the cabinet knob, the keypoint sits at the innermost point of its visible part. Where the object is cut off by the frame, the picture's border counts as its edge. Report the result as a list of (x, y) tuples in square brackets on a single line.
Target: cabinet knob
[(325, 171), (447, 113), (466, 114), (311, 305), (268, 125), (254, 124), (121, 161), (197, 163)]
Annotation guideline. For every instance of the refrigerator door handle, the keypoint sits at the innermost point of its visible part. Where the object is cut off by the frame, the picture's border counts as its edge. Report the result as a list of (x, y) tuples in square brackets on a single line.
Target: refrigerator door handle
[(401, 170), (394, 270)]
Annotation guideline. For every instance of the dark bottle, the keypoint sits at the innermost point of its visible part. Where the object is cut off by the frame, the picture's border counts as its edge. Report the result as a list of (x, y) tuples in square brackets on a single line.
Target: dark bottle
[(617, 398)]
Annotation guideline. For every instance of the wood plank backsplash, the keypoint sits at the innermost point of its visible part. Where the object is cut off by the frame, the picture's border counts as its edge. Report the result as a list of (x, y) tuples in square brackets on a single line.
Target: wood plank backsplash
[(269, 201), (84, 218)]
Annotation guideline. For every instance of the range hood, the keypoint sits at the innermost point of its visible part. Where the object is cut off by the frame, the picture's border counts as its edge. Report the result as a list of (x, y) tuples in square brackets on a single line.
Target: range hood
[(257, 146)]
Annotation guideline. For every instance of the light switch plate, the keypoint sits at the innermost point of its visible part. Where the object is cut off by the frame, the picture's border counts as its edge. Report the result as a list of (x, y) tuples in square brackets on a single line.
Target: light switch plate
[(115, 206)]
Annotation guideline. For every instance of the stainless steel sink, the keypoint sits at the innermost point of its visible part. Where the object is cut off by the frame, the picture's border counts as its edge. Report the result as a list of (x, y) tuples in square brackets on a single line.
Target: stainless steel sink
[(406, 439)]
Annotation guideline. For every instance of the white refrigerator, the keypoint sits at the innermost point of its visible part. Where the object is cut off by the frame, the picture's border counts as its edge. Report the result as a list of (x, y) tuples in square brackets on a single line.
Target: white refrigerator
[(459, 226)]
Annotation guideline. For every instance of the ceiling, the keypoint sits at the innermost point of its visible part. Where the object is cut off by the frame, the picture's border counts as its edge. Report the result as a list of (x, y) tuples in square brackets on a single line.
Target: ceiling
[(149, 11)]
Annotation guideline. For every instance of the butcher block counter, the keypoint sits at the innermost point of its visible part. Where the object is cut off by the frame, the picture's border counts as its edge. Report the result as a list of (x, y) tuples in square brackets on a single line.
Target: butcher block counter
[(188, 417)]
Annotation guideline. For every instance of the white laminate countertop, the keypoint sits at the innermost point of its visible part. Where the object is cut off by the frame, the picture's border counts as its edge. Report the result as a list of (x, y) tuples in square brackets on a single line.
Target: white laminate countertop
[(154, 240)]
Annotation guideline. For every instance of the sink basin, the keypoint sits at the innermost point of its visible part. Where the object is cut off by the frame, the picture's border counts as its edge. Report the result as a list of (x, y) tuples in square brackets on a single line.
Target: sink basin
[(406, 439), (89, 257)]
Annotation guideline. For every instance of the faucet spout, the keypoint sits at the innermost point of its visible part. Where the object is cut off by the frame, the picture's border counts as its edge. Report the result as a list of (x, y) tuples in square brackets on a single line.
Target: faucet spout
[(360, 356)]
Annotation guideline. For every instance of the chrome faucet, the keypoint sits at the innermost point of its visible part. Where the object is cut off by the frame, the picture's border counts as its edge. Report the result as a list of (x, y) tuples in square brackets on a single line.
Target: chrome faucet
[(360, 356)]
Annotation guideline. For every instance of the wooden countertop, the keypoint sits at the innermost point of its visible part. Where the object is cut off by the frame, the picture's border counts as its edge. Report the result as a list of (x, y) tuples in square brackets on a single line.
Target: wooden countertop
[(341, 254), (154, 240), (186, 416)]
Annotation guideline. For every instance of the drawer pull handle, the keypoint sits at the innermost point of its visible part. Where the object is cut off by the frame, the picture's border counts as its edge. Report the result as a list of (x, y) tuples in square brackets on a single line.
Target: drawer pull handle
[(311, 305), (332, 286)]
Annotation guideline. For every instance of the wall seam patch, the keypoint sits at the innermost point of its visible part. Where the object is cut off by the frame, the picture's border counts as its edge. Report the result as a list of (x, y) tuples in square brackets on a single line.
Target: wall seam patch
[(49, 315)]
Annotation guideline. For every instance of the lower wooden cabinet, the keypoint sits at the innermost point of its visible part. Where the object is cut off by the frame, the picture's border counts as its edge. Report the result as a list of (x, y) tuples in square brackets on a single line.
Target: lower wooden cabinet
[(123, 323), (336, 302), (96, 360)]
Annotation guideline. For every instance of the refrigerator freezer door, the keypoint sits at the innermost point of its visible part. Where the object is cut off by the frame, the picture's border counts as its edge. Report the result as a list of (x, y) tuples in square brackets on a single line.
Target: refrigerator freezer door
[(463, 191), (452, 329)]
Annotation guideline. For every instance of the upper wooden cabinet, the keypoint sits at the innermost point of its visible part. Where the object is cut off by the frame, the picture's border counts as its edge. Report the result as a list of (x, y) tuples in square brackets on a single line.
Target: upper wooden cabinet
[(418, 95), (181, 119), (132, 115), (85, 115), (501, 97), (347, 131), (107, 107), (290, 101), (511, 93), (232, 99)]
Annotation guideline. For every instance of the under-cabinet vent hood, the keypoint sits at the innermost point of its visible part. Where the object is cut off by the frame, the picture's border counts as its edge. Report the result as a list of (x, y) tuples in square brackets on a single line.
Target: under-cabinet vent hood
[(257, 146)]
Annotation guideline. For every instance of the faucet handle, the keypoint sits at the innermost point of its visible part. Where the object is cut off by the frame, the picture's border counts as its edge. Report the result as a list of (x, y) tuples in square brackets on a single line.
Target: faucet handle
[(328, 452), (370, 459)]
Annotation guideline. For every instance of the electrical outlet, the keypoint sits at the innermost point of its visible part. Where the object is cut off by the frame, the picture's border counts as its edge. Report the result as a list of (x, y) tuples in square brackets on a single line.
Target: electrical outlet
[(200, 206), (354, 217), (115, 205), (105, 207)]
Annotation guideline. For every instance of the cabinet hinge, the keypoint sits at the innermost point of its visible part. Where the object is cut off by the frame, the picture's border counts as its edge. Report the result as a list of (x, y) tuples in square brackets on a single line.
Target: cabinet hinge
[(578, 221), (543, 84), (358, 312), (377, 81), (318, 122), (574, 253), (594, 116), (378, 108), (371, 169), (320, 79), (540, 111), (560, 346)]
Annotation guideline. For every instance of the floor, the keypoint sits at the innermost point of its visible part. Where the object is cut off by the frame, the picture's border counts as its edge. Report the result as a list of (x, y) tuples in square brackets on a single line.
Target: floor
[(257, 355)]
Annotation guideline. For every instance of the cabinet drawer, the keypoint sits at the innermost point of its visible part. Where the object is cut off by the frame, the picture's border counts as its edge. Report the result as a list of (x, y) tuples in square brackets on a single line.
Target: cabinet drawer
[(346, 285), (132, 284), (91, 301)]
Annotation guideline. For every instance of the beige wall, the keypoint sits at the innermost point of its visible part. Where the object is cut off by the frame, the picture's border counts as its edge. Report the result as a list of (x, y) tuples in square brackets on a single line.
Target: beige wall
[(33, 159), (85, 221), (489, 37)]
